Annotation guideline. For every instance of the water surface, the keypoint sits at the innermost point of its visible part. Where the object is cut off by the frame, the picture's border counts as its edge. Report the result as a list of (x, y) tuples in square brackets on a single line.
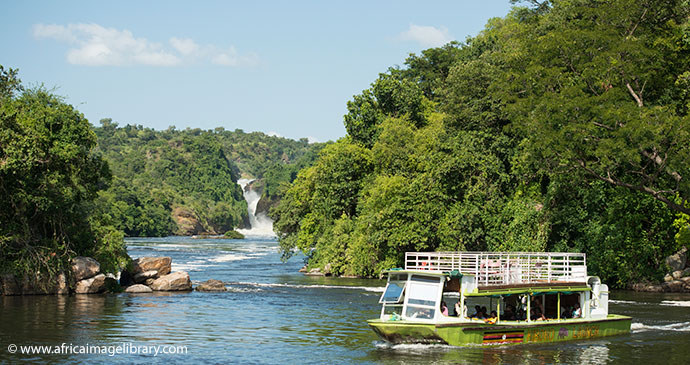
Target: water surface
[(272, 314)]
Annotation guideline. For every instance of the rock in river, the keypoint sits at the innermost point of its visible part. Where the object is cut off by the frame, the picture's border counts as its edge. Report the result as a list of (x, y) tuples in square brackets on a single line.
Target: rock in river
[(84, 268), (144, 264), (142, 277), (211, 285), (138, 288), (177, 281), (93, 285)]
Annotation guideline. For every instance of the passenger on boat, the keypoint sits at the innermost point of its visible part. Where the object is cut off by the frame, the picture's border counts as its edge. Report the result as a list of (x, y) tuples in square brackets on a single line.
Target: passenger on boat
[(521, 315), (457, 309), (509, 313), (577, 311), (492, 318), (567, 312), (444, 308), (537, 304), (536, 315), (477, 312), (483, 314)]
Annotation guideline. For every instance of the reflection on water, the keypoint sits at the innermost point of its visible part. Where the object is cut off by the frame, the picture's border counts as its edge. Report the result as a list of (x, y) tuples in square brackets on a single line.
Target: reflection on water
[(272, 314)]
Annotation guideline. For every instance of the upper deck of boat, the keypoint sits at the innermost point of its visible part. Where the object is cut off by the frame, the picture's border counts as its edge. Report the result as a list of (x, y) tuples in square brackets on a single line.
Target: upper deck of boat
[(506, 269)]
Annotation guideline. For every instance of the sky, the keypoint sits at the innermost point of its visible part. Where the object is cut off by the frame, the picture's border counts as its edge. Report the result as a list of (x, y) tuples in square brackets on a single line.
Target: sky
[(284, 68)]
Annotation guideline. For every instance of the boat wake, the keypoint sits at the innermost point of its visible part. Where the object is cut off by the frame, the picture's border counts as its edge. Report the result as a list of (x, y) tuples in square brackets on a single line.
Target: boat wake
[(678, 327), (676, 303), (412, 347), (315, 286), (626, 302)]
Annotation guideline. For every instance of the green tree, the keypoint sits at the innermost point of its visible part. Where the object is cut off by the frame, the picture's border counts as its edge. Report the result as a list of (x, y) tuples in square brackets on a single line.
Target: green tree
[(603, 89), (49, 176)]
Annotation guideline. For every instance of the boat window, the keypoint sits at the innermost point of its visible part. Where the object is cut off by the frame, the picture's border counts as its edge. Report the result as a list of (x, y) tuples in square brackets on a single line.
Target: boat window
[(393, 292), (420, 313), (423, 290)]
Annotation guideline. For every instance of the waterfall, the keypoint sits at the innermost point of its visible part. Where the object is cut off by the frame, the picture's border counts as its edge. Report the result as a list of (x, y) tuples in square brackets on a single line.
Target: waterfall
[(261, 224)]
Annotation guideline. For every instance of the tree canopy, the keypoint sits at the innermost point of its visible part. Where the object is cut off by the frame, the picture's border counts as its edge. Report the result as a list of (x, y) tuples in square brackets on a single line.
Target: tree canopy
[(562, 126), (50, 175)]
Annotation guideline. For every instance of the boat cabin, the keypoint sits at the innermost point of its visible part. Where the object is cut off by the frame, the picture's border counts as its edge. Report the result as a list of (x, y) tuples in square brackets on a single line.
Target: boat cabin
[(493, 287)]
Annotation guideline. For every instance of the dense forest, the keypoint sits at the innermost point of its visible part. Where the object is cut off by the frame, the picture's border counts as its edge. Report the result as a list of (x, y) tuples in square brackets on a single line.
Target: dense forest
[(71, 189), (561, 127), (184, 181), (50, 177)]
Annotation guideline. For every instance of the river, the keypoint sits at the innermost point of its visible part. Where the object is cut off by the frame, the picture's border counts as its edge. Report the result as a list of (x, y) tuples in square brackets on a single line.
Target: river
[(274, 315)]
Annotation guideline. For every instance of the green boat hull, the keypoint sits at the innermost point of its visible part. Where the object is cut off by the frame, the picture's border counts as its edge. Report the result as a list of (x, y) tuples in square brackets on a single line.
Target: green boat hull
[(478, 333)]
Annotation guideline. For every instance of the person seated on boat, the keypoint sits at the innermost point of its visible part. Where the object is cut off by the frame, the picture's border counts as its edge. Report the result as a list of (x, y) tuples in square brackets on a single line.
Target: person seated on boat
[(457, 309), (444, 308), (566, 312), (509, 313), (521, 315), (577, 311), (477, 312), (483, 314), (536, 315), (536, 303), (491, 319)]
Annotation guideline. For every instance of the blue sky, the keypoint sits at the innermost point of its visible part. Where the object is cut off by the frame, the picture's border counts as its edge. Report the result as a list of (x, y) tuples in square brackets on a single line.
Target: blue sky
[(280, 67)]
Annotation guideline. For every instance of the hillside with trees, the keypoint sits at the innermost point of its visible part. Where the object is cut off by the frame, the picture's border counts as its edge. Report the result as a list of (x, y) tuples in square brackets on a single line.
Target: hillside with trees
[(562, 127), (183, 182)]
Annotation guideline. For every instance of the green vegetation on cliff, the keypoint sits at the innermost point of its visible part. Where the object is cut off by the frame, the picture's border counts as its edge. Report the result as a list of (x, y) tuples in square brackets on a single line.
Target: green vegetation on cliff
[(50, 176), (184, 181), (562, 127)]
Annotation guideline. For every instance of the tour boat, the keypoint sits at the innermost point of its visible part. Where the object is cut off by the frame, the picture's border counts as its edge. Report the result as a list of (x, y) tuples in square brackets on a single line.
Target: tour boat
[(536, 297)]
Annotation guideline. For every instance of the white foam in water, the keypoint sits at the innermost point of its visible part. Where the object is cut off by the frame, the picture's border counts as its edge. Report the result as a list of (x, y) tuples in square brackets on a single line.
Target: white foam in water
[(412, 347), (676, 303), (229, 257), (677, 327), (189, 266), (299, 286), (624, 302)]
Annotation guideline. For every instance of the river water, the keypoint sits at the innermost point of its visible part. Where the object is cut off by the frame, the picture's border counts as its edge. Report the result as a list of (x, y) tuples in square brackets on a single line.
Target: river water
[(274, 315)]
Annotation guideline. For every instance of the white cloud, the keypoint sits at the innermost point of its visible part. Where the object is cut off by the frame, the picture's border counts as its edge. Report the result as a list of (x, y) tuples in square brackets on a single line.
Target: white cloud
[(230, 57), (273, 134), (95, 45), (427, 36), (184, 45)]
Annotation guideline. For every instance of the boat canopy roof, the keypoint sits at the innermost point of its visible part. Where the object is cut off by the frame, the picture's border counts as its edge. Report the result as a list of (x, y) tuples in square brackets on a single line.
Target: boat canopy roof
[(424, 272), (504, 268)]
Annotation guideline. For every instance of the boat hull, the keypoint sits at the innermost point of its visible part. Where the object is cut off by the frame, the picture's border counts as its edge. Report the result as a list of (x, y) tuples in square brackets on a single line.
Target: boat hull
[(508, 333)]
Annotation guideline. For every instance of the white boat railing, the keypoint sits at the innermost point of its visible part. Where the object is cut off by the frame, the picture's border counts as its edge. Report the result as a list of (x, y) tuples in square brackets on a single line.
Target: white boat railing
[(505, 268)]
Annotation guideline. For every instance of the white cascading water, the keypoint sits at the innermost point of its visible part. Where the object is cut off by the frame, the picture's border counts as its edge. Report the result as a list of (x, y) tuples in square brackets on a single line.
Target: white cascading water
[(261, 224)]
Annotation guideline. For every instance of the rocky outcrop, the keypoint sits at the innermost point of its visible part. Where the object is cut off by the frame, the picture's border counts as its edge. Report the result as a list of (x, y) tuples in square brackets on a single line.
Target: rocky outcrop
[(681, 285), (85, 278), (265, 204), (138, 288), (11, 285), (84, 268), (162, 265), (211, 285), (142, 277), (678, 260), (92, 285), (177, 281), (187, 222), (676, 281), (146, 269)]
